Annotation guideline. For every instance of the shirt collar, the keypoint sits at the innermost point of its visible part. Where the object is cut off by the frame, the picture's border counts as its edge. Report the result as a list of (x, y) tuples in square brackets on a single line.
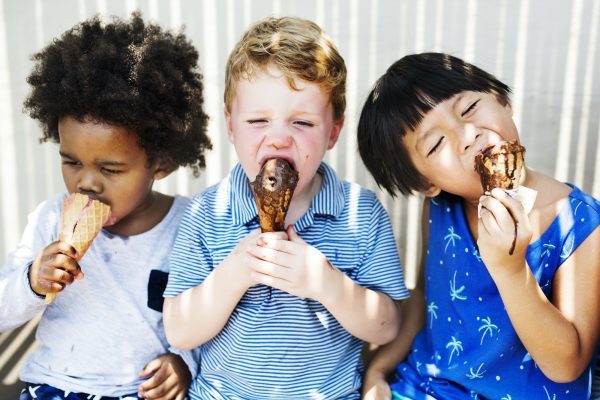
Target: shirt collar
[(328, 201)]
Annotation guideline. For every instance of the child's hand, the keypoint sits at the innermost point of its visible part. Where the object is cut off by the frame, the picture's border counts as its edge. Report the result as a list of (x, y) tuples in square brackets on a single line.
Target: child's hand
[(170, 378), (54, 268), (291, 265), (240, 252), (503, 224), (375, 387)]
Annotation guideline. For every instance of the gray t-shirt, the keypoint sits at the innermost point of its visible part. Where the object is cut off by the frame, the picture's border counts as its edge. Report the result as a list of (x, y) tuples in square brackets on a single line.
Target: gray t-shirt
[(99, 332)]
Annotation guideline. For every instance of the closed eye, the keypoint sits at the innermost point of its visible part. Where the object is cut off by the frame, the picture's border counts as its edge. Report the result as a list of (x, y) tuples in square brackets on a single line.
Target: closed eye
[(69, 162), (434, 148), (304, 123), (257, 121), (470, 108), (109, 171)]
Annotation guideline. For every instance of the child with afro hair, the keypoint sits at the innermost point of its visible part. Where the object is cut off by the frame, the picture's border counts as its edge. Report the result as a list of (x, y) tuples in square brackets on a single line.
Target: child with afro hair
[(124, 102)]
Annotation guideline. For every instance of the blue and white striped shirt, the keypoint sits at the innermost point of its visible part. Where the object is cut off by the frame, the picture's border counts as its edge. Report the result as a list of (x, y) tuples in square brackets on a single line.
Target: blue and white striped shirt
[(276, 345)]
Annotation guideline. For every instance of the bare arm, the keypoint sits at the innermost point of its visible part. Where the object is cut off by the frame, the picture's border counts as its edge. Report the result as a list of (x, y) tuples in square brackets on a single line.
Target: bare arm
[(388, 356), (210, 303), (561, 336), (369, 315)]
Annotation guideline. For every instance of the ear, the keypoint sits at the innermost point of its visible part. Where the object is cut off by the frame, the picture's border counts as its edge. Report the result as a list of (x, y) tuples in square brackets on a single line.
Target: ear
[(228, 123), (335, 133), (162, 171), (431, 191), (508, 107)]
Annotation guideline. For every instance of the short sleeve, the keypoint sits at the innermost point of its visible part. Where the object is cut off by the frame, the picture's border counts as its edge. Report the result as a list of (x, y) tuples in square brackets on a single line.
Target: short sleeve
[(190, 261), (380, 268)]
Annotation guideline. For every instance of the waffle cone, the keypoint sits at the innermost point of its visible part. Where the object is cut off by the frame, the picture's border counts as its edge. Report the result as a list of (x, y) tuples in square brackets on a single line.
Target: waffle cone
[(81, 220), (273, 189)]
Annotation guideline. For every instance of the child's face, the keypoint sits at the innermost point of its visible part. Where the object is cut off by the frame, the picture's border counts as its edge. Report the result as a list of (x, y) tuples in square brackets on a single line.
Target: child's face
[(443, 147), (107, 163), (269, 119)]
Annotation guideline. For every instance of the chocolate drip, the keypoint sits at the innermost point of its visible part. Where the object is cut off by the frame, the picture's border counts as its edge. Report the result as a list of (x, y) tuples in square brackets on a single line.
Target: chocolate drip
[(500, 166)]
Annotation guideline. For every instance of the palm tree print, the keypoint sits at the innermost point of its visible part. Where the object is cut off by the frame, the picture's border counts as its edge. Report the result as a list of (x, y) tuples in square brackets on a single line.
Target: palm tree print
[(476, 374), (548, 247), (432, 309), (568, 248), (455, 346), (451, 238), (455, 294), (577, 207), (487, 327), (476, 254), (548, 394)]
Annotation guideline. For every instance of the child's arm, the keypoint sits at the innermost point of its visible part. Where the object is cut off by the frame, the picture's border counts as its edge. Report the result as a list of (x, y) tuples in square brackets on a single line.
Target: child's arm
[(561, 336), (19, 303), (299, 269), (388, 356), (210, 303)]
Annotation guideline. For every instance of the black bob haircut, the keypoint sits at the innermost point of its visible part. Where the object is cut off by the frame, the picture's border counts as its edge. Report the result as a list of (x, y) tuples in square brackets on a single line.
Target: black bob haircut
[(127, 74), (400, 98)]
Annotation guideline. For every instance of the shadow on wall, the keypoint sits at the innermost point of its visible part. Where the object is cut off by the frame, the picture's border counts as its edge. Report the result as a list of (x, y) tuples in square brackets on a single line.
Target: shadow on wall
[(14, 345)]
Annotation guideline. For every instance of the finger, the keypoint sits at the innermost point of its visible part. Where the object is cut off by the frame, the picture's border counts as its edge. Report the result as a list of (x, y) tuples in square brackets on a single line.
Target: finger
[(501, 215), (45, 287), (54, 274), (272, 236), (514, 206), (268, 268), (284, 246), (151, 367), (271, 281), (166, 390), (293, 235), (64, 247), (482, 226), (66, 263), (155, 381), (269, 254)]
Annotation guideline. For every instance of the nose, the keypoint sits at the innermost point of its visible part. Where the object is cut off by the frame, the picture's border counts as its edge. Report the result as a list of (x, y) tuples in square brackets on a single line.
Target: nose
[(279, 138), (88, 183), (467, 137)]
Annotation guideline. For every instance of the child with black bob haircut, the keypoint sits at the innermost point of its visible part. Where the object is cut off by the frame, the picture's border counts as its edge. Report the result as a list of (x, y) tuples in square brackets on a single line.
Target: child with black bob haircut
[(497, 325), (124, 102)]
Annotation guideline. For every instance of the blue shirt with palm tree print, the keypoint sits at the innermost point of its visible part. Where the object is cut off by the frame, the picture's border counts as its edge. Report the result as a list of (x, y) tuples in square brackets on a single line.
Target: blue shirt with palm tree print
[(469, 349)]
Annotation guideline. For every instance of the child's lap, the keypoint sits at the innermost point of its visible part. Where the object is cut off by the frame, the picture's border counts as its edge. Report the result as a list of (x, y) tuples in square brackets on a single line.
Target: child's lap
[(46, 392)]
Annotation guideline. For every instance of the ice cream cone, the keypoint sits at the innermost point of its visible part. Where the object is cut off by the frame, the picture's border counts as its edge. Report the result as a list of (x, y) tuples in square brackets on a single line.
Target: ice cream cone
[(500, 166), (81, 220), (273, 189)]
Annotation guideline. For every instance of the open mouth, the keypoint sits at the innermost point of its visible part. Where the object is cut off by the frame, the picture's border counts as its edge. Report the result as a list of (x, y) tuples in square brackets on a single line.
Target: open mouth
[(270, 157)]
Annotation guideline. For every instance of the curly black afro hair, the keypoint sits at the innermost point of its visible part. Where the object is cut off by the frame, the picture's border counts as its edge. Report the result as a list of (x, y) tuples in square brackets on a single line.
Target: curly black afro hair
[(128, 74)]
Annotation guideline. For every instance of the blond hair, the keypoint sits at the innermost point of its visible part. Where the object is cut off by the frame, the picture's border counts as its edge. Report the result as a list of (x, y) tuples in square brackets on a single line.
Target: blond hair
[(299, 48)]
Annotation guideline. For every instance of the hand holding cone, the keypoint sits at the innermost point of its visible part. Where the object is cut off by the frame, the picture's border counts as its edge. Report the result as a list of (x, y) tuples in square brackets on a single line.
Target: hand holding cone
[(500, 166), (81, 220), (273, 189)]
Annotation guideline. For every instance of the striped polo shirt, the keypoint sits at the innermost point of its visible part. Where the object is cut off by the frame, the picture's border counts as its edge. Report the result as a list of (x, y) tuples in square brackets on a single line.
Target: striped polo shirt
[(276, 345)]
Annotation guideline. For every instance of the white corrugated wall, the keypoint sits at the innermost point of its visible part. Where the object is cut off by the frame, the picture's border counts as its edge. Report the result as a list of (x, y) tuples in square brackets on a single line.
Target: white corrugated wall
[(547, 51)]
